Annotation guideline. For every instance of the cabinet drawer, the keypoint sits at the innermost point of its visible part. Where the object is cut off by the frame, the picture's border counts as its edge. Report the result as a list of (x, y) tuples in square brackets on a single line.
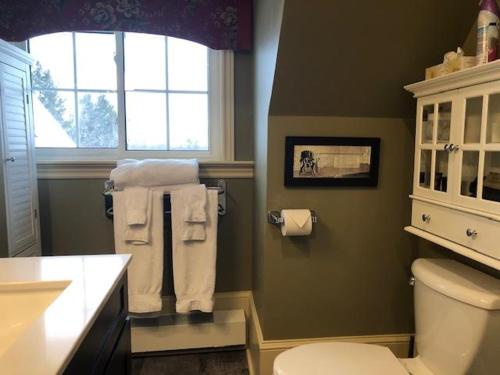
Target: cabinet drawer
[(454, 225)]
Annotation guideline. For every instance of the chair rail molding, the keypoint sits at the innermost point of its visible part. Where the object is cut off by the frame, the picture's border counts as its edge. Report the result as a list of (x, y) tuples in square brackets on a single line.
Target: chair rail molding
[(65, 170)]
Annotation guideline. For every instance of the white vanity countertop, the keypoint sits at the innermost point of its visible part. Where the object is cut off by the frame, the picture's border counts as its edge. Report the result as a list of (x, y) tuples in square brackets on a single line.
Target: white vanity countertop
[(48, 343)]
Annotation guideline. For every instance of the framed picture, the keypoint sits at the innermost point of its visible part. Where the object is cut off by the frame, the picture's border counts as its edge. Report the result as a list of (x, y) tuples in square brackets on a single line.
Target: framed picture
[(331, 161)]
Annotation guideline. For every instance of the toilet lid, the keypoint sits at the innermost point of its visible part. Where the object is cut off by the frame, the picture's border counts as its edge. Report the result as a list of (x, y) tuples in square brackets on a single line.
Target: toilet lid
[(338, 358)]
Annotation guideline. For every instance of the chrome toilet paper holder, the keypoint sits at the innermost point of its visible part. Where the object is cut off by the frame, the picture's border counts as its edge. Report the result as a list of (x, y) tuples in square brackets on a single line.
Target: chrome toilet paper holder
[(275, 218)]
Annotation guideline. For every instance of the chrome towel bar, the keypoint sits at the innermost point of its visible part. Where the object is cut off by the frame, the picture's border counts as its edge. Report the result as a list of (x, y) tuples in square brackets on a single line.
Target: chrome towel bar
[(109, 188)]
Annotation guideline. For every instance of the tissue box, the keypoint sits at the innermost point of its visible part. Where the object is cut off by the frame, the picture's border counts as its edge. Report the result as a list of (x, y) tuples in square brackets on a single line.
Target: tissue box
[(460, 63), (466, 62), (436, 71)]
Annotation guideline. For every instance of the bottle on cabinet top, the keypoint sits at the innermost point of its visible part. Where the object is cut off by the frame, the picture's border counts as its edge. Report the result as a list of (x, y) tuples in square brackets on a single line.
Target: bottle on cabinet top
[(487, 32)]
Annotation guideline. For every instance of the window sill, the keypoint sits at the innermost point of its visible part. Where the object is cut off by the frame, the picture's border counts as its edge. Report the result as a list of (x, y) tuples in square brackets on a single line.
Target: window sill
[(68, 170)]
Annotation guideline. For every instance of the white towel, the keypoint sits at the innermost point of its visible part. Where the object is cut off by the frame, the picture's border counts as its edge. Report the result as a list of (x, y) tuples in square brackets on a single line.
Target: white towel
[(136, 205), (195, 199), (194, 261), (155, 172), (194, 232), (145, 272)]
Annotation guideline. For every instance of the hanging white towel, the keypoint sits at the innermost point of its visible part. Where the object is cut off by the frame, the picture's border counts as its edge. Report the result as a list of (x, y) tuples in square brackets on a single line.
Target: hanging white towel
[(155, 172), (194, 232), (138, 201), (136, 205), (195, 199), (145, 272), (194, 261)]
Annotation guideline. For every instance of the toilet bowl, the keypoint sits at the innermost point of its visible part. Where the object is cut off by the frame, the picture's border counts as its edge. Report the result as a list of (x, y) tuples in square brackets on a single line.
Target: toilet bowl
[(457, 318)]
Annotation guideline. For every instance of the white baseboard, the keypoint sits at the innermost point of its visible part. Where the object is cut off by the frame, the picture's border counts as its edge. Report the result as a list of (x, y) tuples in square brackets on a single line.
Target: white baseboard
[(250, 361), (228, 328), (261, 353)]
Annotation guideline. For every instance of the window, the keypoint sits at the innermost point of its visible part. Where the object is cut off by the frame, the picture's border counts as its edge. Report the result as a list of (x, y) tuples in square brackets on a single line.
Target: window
[(114, 95)]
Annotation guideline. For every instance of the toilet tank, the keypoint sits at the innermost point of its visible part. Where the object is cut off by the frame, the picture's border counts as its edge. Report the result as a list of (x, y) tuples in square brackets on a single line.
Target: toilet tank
[(457, 318)]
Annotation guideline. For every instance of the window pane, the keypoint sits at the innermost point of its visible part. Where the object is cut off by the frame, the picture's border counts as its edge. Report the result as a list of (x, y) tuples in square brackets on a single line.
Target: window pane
[(470, 167), (54, 119), (444, 121), (144, 62), (473, 113), (425, 169), (54, 55), (95, 61), (427, 123), (491, 185), (188, 120), (441, 171), (493, 133), (97, 120), (146, 121), (187, 65)]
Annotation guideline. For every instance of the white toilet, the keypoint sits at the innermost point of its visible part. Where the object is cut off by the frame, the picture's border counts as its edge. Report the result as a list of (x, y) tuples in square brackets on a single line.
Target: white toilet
[(457, 316)]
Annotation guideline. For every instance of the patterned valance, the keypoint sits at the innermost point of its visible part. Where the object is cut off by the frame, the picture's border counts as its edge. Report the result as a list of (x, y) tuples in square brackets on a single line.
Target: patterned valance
[(218, 24)]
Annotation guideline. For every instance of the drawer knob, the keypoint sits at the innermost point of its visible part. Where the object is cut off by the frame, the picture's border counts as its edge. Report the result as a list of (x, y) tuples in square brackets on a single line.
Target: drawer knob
[(471, 233), (426, 218)]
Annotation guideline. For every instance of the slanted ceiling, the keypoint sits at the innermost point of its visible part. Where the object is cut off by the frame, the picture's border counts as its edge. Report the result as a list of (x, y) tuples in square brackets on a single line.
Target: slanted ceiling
[(352, 58)]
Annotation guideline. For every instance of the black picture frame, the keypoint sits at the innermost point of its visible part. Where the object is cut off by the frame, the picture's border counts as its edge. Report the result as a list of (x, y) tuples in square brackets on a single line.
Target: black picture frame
[(308, 165)]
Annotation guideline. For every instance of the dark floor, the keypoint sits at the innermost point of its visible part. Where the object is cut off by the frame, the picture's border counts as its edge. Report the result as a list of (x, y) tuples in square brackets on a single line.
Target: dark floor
[(218, 363)]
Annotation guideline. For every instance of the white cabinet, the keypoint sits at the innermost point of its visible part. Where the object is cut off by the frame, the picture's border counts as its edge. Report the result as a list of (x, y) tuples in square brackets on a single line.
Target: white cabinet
[(19, 227), (456, 189)]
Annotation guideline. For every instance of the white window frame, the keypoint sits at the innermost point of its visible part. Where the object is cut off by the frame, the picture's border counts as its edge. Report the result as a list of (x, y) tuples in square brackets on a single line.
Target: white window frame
[(220, 113)]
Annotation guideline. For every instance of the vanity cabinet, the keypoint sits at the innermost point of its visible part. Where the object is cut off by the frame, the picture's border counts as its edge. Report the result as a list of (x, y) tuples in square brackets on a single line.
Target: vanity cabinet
[(19, 227), (456, 184), (106, 347)]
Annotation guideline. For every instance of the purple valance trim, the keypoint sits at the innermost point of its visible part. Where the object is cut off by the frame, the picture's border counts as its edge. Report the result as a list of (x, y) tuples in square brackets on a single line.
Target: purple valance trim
[(218, 24)]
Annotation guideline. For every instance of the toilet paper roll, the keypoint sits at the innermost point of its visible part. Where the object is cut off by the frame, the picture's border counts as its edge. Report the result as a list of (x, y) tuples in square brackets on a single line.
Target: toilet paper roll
[(296, 222)]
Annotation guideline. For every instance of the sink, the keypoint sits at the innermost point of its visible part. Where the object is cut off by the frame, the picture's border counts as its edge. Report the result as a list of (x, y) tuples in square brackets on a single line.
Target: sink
[(22, 303)]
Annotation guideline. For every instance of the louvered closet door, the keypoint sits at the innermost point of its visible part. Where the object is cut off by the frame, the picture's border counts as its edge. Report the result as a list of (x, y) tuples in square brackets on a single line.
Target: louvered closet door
[(18, 162)]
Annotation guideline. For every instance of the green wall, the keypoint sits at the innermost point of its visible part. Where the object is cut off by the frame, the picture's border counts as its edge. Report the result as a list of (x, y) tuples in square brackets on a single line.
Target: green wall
[(340, 71), (350, 277), (73, 223), (243, 106), (352, 58), (267, 25)]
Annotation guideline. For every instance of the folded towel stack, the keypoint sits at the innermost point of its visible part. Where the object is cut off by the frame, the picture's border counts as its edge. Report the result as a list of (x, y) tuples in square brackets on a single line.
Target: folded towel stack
[(155, 172)]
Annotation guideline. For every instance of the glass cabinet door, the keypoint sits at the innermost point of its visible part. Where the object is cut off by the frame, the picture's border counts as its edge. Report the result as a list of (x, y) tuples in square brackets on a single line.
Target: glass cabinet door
[(479, 155), (433, 154)]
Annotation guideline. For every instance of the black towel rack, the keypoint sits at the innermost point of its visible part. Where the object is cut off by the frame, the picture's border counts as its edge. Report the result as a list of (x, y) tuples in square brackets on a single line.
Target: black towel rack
[(109, 189)]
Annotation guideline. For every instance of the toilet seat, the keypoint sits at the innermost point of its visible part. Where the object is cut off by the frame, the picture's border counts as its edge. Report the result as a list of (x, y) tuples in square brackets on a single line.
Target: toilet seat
[(338, 358)]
